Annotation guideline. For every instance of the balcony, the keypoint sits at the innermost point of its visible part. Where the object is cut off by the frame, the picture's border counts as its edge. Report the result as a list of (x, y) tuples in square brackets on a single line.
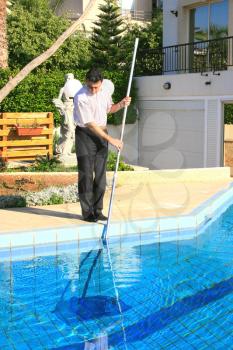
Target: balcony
[(198, 57)]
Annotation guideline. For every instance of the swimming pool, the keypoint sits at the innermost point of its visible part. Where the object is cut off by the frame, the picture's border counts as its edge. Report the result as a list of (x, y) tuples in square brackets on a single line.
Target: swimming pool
[(144, 295)]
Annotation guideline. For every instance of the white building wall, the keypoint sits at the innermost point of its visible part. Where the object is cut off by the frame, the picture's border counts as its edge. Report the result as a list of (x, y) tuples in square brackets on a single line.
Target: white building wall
[(127, 4), (170, 23), (182, 127), (193, 84)]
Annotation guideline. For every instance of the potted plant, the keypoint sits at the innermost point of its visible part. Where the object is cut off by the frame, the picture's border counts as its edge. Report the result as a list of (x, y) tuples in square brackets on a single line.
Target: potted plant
[(29, 130)]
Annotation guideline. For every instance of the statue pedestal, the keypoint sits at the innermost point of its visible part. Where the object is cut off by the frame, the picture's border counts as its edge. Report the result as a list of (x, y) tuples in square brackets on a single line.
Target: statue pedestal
[(68, 160)]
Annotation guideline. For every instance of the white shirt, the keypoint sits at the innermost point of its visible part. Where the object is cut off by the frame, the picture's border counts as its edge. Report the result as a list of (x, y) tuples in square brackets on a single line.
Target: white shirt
[(90, 107)]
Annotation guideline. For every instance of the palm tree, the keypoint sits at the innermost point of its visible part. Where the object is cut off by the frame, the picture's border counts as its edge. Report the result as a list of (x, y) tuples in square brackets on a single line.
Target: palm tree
[(12, 83), (3, 35)]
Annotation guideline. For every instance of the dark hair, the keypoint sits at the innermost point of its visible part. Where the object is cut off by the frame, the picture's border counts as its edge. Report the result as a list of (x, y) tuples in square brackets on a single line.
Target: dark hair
[(94, 75)]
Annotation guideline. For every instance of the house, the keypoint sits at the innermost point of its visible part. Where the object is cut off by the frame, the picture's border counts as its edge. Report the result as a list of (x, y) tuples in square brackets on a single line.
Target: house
[(181, 105), (133, 10)]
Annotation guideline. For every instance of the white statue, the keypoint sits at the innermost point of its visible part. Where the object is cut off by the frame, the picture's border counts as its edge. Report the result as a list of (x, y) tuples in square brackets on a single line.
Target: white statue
[(64, 103), (108, 85)]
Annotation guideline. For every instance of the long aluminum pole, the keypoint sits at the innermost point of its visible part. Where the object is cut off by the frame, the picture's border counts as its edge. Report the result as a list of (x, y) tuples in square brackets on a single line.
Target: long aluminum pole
[(106, 229)]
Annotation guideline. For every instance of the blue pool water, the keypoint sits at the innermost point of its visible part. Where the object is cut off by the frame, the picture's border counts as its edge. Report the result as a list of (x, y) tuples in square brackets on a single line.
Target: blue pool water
[(144, 295)]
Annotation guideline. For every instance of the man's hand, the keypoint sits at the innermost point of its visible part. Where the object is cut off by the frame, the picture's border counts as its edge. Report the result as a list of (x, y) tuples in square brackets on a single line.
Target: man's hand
[(116, 143), (123, 103), (101, 133), (126, 101)]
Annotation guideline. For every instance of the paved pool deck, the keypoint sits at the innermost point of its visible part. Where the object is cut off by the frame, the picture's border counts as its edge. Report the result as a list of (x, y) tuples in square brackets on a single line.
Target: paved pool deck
[(138, 196)]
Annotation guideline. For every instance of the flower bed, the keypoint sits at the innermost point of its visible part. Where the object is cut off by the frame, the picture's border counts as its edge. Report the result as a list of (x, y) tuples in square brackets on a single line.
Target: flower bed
[(31, 189), (13, 183)]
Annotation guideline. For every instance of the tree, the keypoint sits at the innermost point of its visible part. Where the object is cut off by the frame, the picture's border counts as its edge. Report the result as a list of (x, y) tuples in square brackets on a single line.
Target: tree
[(106, 48), (12, 83), (3, 35), (149, 58), (33, 27)]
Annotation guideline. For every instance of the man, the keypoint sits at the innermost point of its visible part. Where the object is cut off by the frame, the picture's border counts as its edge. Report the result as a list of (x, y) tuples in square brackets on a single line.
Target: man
[(91, 105)]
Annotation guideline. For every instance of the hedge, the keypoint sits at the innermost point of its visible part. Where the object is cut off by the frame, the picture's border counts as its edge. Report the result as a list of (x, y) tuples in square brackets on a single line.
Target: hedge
[(35, 92)]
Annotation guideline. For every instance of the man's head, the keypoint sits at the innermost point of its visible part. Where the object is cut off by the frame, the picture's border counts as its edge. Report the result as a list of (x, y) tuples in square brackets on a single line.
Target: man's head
[(94, 80)]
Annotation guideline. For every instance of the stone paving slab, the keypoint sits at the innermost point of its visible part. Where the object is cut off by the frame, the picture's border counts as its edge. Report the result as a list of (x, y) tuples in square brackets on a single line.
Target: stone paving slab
[(132, 201)]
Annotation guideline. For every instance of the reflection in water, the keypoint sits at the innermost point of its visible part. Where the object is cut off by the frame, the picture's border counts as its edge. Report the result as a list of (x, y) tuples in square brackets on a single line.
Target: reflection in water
[(93, 309), (99, 343)]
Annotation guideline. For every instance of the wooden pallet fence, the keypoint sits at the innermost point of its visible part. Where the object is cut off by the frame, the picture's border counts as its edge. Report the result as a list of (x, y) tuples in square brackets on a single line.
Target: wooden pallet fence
[(25, 147)]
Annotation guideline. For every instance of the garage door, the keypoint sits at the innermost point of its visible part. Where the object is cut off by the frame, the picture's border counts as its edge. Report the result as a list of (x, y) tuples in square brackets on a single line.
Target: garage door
[(171, 134)]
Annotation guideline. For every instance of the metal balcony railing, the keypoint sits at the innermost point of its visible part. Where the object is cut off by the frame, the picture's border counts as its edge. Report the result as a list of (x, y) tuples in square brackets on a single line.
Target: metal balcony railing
[(137, 15), (202, 56)]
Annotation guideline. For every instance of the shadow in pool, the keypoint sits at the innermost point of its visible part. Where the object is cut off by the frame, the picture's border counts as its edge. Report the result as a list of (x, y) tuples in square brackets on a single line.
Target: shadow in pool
[(71, 309), (89, 308), (158, 320)]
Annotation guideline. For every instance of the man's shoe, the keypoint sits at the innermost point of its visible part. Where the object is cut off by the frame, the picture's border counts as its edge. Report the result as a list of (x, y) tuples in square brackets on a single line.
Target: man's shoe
[(101, 217), (90, 218)]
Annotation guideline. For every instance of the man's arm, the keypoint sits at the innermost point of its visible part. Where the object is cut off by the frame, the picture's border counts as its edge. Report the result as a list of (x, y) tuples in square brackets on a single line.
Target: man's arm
[(123, 103), (101, 133)]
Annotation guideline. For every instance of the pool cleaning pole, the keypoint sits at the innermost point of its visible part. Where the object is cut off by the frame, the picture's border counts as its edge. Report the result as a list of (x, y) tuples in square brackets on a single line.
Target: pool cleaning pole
[(106, 228)]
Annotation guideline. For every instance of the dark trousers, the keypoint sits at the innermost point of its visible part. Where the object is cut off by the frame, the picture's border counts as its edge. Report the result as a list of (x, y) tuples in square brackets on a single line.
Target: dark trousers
[(92, 153)]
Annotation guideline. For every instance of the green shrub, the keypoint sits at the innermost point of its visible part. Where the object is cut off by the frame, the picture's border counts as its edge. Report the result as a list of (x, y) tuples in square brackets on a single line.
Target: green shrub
[(43, 164), (56, 138), (36, 92), (228, 114), (12, 202), (111, 163), (55, 199)]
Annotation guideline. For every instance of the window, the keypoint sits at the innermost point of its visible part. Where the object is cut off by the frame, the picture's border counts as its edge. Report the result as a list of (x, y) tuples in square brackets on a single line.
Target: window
[(209, 21)]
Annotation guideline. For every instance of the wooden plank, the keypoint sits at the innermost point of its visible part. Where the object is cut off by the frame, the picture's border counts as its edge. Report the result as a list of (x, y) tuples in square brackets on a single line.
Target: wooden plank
[(20, 115), (1, 138), (15, 143), (26, 148), (4, 139), (50, 137), (29, 121), (44, 132), (24, 153), (4, 132), (21, 158)]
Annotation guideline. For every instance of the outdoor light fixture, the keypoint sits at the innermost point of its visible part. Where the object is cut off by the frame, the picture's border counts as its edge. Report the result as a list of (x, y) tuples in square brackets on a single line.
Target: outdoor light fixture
[(174, 12), (167, 85)]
